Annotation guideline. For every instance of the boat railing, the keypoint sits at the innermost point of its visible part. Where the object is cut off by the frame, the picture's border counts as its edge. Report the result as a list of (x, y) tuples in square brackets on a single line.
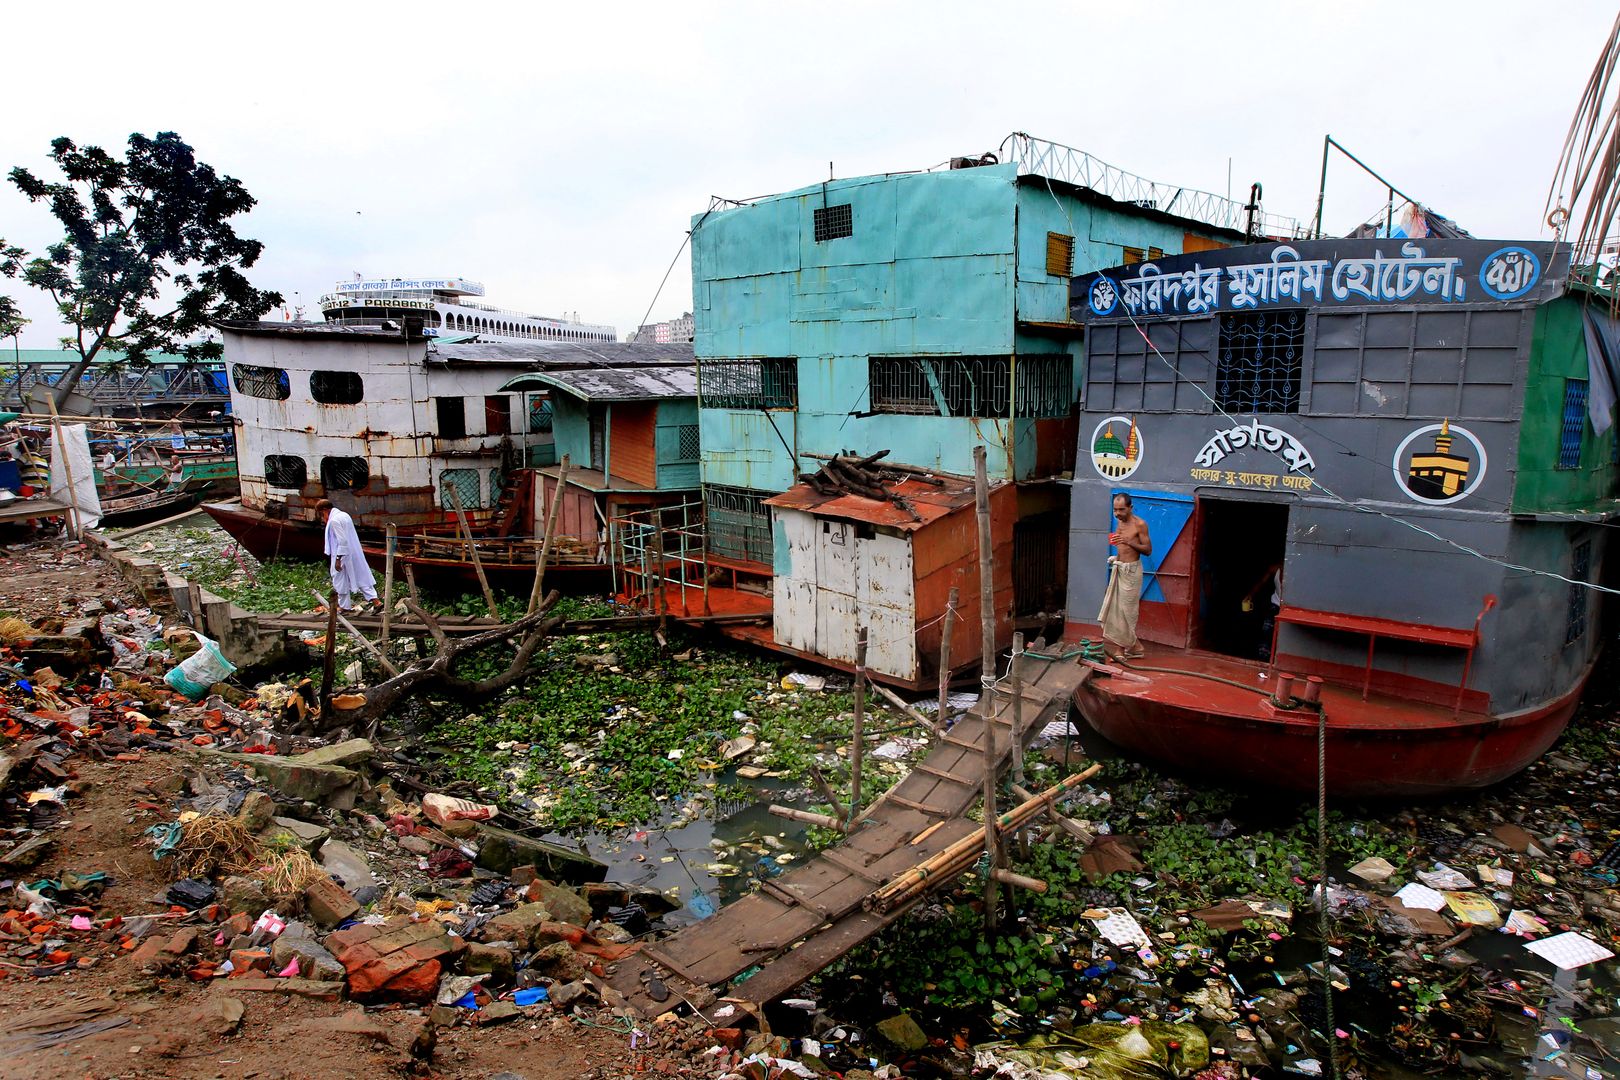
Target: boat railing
[(659, 547)]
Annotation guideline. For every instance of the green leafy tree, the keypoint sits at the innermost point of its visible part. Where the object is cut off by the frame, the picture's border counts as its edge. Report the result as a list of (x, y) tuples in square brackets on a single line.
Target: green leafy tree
[(149, 258), (11, 316)]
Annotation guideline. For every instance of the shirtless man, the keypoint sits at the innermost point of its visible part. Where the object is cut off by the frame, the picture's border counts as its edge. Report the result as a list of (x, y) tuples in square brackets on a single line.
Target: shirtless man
[(1123, 599)]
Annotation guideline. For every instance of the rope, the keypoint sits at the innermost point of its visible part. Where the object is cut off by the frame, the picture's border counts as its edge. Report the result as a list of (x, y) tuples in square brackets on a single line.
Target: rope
[(1322, 878)]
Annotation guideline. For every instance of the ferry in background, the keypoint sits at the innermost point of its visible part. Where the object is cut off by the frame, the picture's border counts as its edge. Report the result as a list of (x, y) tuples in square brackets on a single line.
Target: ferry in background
[(441, 305)]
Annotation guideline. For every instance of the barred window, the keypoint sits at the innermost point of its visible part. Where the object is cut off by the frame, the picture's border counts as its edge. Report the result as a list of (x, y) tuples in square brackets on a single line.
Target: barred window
[(1259, 362), (1580, 569), (336, 387), (285, 470), (687, 444), (767, 383), (977, 386), (1045, 385), (1133, 255), (540, 414), (261, 382), (464, 483), (344, 473), (833, 222), (738, 523), (1059, 254), (1574, 424)]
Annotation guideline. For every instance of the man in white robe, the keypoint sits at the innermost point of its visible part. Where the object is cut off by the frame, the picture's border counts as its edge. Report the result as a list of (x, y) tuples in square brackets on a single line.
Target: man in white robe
[(350, 574)]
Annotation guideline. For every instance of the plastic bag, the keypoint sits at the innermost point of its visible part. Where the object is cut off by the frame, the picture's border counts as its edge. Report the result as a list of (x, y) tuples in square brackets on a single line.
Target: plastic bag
[(194, 675)]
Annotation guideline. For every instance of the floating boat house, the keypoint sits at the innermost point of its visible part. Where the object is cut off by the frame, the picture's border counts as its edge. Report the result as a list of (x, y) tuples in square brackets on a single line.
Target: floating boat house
[(1374, 462), (922, 314), (398, 429)]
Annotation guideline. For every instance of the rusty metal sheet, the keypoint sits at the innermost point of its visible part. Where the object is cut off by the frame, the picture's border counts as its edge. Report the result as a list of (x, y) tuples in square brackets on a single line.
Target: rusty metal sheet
[(930, 502)]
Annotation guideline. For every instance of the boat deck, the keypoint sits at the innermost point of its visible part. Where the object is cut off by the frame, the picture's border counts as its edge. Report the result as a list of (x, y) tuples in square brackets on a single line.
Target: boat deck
[(1187, 678)]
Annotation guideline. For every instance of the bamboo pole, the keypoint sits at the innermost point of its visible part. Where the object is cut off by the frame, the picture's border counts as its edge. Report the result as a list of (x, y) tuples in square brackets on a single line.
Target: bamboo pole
[(900, 703), (388, 583), (909, 884), (75, 522), (945, 657), (329, 661), (987, 682), (795, 814), (355, 633), (1007, 877), (856, 746), (1067, 824), (660, 599), (538, 591), (472, 552), (1015, 687), (828, 794)]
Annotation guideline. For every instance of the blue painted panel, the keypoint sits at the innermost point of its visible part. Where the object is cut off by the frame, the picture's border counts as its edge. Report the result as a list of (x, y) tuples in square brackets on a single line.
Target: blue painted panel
[(1166, 515)]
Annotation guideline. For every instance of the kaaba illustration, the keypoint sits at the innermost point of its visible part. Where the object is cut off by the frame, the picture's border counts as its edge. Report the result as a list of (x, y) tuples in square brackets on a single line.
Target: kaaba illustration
[(1440, 474)]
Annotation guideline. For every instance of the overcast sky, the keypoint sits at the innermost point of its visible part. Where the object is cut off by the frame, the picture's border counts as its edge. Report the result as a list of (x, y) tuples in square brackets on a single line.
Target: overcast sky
[(557, 152)]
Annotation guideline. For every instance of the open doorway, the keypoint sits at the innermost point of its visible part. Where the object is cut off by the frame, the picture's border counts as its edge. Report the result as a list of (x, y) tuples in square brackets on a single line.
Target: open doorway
[(1240, 555)]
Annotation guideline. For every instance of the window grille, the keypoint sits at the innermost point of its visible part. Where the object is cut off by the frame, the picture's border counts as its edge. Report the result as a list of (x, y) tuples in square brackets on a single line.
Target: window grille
[(1259, 362), (687, 443), (833, 222), (738, 524), (768, 383), (497, 486), (269, 383), (285, 471), (1059, 254), (1045, 385), (1135, 255), (344, 473), (336, 387), (540, 414), (1574, 424), (452, 417), (975, 386), (1580, 569), (464, 482)]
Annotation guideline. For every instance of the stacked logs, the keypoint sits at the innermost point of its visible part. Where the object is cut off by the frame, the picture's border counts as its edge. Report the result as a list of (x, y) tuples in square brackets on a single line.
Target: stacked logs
[(845, 474)]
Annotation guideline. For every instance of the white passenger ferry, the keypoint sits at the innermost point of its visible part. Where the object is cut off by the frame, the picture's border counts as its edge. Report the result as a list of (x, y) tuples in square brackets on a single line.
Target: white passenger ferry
[(442, 305)]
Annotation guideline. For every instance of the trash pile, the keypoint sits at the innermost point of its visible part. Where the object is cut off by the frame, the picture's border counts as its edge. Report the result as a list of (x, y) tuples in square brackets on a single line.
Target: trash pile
[(1184, 940)]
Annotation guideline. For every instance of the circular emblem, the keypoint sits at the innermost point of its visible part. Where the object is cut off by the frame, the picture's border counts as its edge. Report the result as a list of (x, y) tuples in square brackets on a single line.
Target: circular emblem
[(1439, 464), (1509, 273), (1104, 296), (1116, 448)]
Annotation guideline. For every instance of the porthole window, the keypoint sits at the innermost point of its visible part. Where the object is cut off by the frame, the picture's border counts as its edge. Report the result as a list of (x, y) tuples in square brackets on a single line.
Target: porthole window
[(336, 387)]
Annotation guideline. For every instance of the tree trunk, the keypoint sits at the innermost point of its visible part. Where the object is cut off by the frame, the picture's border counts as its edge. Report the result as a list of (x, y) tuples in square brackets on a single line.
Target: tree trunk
[(434, 672)]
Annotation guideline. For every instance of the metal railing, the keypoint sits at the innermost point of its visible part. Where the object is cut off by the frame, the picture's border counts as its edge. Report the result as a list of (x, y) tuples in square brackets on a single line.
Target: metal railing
[(1039, 157), (118, 386), (658, 546)]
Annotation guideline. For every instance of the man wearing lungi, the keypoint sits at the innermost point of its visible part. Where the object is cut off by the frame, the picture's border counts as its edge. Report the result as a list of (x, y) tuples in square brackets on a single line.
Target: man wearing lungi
[(1123, 600)]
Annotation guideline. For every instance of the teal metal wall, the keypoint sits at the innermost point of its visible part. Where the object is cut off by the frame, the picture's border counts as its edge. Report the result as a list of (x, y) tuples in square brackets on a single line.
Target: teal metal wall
[(942, 263), (571, 429)]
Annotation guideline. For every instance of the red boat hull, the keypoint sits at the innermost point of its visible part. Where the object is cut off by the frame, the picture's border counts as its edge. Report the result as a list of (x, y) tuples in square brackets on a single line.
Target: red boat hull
[(1382, 747)]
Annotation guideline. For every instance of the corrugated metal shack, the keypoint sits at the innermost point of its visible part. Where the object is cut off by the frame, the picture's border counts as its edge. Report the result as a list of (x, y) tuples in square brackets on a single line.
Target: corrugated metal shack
[(846, 561)]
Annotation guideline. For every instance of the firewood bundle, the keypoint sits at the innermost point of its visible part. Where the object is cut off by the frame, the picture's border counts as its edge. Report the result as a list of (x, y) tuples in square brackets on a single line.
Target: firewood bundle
[(845, 474)]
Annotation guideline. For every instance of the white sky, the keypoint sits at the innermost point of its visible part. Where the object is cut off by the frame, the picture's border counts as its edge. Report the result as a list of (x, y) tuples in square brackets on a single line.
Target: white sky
[(556, 152)]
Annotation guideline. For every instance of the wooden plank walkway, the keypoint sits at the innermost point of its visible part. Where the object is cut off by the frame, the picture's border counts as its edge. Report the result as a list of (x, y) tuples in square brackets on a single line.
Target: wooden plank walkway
[(800, 922)]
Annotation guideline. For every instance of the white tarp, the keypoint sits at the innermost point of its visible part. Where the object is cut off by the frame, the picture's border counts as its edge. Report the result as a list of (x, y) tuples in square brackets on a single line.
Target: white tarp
[(74, 440)]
